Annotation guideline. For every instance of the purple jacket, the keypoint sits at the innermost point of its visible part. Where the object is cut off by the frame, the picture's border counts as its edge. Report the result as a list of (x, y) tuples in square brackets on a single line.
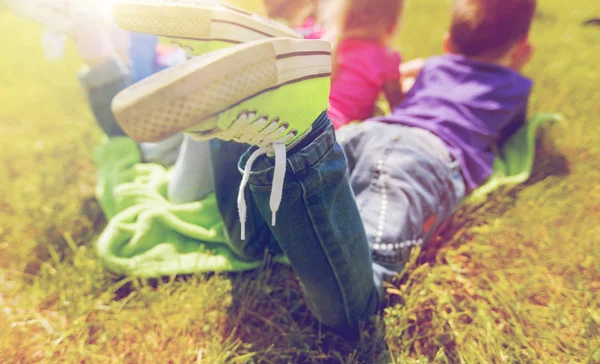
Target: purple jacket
[(467, 104)]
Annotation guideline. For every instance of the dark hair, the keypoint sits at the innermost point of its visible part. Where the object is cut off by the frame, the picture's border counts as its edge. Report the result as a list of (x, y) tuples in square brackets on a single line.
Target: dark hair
[(489, 28)]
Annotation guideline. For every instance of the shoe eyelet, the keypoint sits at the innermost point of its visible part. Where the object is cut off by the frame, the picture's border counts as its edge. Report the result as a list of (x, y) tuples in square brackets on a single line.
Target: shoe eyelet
[(285, 125), (293, 131)]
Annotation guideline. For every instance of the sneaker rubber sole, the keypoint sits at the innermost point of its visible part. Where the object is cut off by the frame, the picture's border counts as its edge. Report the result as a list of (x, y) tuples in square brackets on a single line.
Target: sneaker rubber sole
[(190, 95), (196, 19)]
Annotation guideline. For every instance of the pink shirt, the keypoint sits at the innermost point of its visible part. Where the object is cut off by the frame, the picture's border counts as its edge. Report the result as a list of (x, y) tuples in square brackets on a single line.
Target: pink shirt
[(363, 68)]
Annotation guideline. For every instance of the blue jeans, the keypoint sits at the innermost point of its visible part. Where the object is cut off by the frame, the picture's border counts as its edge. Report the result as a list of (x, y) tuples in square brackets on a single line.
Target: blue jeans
[(406, 185), (331, 247)]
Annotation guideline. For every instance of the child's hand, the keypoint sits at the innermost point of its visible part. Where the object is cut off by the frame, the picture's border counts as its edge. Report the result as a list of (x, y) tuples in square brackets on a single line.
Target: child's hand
[(522, 56), (411, 69), (408, 83)]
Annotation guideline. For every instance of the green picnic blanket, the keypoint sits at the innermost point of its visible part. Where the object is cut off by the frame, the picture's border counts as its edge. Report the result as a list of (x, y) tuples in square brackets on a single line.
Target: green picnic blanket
[(148, 236)]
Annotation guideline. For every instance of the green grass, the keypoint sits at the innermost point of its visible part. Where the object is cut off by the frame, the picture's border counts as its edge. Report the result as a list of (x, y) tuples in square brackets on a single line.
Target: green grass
[(513, 280)]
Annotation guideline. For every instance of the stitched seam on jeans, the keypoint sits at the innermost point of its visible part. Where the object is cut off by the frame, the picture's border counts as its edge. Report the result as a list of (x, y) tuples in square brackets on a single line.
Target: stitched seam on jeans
[(380, 175), (398, 249), (401, 249), (383, 205), (423, 237)]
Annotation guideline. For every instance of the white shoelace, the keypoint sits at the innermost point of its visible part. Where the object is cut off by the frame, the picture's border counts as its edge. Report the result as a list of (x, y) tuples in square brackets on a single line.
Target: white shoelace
[(271, 138)]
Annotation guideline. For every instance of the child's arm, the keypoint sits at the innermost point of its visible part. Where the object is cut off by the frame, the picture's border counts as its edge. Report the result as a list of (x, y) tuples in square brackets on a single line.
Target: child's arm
[(410, 71), (412, 68), (393, 93), (392, 85)]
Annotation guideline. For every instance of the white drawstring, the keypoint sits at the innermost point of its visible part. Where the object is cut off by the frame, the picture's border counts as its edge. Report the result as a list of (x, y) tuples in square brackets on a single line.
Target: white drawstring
[(278, 179), (271, 139), (241, 201)]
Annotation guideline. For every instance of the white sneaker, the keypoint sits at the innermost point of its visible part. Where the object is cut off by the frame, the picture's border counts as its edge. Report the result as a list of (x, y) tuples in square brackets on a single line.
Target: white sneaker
[(192, 97), (197, 19)]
